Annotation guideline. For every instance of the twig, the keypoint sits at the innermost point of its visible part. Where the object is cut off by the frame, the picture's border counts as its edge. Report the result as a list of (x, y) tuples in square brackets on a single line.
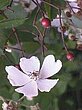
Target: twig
[(34, 23), (10, 47), (29, 32), (70, 6), (3, 14), (41, 35), (16, 35), (10, 3), (2, 99), (50, 4), (7, 57), (21, 99), (43, 40), (10, 35), (62, 33)]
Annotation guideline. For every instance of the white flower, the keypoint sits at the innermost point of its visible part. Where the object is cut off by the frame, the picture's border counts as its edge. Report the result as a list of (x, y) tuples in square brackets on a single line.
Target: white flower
[(56, 23), (71, 0), (4, 106), (28, 5), (31, 6), (74, 5), (14, 48), (32, 78), (29, 98), (8, 50)]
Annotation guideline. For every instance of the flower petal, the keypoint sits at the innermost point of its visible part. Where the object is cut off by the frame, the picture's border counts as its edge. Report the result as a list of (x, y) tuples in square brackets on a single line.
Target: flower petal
[(30, 65), (50, 67), (55, 22), (76, 8), (29, 90), (16, 77), (46, 84)]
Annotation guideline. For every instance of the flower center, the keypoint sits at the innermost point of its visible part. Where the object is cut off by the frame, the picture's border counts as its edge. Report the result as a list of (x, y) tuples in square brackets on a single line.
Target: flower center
[(34, 75)]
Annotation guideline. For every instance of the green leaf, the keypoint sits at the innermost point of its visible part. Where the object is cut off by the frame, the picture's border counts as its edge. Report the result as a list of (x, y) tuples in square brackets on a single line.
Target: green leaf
[(1, 52), (15, 96), (3, 3), (76, 21), (16, 14), (48, 9), (33, 46), (61, 86), (11, 23)]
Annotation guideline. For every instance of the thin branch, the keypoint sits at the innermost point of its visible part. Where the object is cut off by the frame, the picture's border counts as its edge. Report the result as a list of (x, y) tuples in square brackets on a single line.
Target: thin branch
[(25, 30), (2, 99), (39, 6), (70, 6), (34, 23), (7, 57), (50, 4), (10, 4), (43, 41), (20, 99), (3, 14), (18, 41), (10, 47), (62, 33), (40, 36), (10, 35)]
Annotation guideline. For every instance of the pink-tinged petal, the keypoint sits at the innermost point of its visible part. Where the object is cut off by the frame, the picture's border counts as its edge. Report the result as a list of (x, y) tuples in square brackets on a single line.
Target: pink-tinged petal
[(45, 85), (65, 33), (30, 65), (29, 90), (75, 5), (16, 77), (50, 67), (55, 22), (72, 0)]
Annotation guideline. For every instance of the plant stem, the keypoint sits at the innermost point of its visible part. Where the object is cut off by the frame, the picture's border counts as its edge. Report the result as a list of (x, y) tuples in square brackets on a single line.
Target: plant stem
[(50, 4), (40, 36), (17, 38), (62, 33), (21, 99)]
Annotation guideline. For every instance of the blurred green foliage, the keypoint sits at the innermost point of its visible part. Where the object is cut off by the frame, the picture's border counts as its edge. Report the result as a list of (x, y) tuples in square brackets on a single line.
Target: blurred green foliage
[(67, 94)]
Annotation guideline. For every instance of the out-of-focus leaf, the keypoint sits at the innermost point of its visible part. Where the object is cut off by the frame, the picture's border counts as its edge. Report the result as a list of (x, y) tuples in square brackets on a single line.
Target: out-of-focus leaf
[(48, 9), (70, 66), (11, 23), (1, 52), (71, 44), (16, 14), (33, 46), (15, 96), (4, 3), (76, 21), (61, 86)]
